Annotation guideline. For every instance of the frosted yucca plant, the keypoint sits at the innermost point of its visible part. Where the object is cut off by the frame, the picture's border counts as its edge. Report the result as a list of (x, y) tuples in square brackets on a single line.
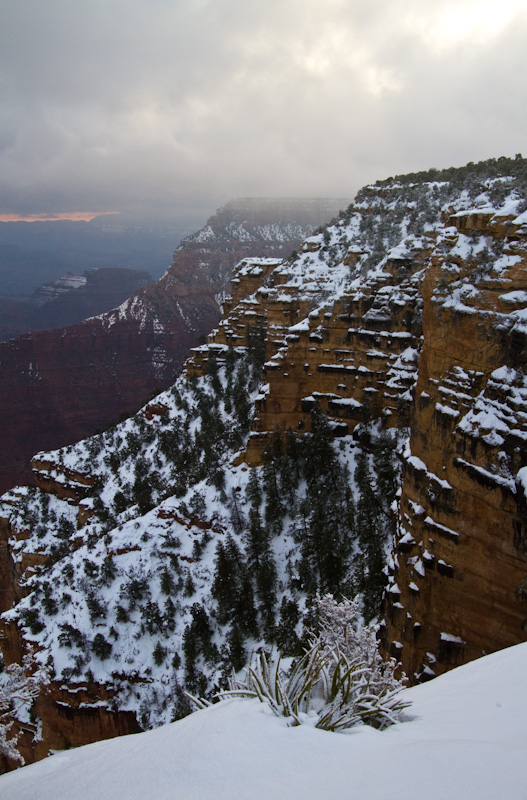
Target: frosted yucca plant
[(340, 681)]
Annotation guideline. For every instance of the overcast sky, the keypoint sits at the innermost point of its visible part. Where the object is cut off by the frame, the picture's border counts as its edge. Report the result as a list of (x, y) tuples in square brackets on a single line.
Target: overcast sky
[(156, 106)]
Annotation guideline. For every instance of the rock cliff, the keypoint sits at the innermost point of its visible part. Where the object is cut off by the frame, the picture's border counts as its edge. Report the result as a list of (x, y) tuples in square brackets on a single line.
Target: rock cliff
[(457, 588), (355, 424)]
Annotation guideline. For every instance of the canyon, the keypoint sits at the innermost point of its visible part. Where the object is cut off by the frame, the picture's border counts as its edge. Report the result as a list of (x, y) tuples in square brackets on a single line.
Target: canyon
[(64, 384), (402, 325)]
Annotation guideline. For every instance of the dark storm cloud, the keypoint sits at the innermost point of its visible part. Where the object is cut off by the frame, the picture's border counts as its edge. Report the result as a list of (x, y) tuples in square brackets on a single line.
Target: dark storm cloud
[(140, 104)]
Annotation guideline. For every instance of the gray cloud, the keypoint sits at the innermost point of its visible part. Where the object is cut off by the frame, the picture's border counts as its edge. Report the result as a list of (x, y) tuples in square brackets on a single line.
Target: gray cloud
[(158, 105)]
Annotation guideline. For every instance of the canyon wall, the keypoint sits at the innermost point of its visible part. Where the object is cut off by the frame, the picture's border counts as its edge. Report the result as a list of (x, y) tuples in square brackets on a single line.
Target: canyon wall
[(69, 300), (459, 573), (436, 340)]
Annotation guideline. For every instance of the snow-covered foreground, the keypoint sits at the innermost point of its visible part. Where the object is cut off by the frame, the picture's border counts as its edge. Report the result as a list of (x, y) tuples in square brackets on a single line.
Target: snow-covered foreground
[(466, 737)]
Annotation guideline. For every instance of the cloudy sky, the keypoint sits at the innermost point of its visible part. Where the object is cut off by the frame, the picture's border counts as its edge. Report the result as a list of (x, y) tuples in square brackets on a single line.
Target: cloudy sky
[(158, 106)]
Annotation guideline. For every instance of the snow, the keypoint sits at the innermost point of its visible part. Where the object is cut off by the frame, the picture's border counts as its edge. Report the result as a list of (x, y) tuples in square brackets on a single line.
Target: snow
[(443, 528), (507, 483), (142, 544), (521, 477), (449, 637), (451, 412), (419, 465), (465, 736), (514, 297)]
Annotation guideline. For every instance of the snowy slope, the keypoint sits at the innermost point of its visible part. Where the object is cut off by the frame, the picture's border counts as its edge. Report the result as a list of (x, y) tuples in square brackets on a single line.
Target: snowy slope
[(466, 737)]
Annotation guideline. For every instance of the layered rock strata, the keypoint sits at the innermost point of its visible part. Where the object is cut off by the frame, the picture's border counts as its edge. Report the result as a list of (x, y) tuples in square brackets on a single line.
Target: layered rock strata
[(436, 340), (457, 588)]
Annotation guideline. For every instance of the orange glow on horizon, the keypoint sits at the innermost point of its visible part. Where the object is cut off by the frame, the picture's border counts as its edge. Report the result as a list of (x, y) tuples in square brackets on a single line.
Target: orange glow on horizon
[(74, 216)]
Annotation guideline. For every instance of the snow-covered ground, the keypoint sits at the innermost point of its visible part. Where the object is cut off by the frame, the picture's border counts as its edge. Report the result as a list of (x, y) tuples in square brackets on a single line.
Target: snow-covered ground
[(465, 737)]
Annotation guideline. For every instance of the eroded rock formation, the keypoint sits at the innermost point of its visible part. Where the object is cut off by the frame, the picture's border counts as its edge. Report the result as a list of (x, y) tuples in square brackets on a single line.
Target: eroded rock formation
[(461, 556), (437, 339)]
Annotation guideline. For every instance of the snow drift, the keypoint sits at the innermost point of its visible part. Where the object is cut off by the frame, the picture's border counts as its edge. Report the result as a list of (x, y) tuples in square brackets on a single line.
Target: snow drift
[(465, 736)]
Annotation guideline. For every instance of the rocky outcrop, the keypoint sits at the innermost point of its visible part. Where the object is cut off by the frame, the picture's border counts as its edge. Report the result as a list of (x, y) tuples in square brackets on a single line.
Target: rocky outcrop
[(69, 716), (436, 340), (356, 356), (254, 226)]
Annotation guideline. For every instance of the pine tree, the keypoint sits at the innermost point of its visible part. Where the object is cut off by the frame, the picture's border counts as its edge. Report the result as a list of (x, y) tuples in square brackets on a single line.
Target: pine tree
[(101, 647), (169, 615), (237, 652), (189, 587), (387, 477), (229, 571), (253, 492), (167, 581), (266, 591), (237, 518), (221, 589), (274, 508), (369, 576), (256, 540), (286, 638), (244, 610), (327, 540), (159, 654), (240, 399), (152, 617)]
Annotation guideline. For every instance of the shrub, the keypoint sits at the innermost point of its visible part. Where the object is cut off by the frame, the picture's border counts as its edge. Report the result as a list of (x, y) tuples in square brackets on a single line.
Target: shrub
[(101, 647), (19, 687), (340, 681)]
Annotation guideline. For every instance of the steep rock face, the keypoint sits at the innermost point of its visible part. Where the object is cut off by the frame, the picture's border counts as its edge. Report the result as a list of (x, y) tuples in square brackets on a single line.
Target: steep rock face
[(457, 589), (355, 356), (69, 717), (59, 386), (268, 227)]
